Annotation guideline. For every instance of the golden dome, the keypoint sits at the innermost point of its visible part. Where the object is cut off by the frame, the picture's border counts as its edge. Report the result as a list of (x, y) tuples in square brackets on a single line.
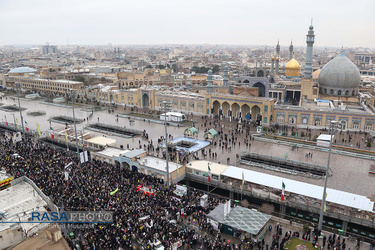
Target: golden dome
[(292, 68), (273, 57), (277, 58)]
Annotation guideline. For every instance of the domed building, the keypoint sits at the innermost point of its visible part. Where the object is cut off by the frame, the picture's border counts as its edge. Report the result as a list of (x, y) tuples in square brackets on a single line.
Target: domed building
[(339, 77), (292, 68)]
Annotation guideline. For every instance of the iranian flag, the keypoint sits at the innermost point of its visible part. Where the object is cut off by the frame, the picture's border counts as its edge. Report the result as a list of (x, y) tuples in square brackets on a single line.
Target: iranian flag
[(52, 135), (27, 127), (7, 123), (209, 173), (283, 192), (182, 212)]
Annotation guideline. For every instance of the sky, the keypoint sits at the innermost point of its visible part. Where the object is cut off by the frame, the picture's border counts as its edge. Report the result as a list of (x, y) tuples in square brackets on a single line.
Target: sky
[(336, 23)]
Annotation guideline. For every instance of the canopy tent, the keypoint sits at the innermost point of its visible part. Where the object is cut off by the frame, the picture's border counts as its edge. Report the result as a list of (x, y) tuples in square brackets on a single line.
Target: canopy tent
[(210, 134), (247, 220), (190, 132), (217, 214)]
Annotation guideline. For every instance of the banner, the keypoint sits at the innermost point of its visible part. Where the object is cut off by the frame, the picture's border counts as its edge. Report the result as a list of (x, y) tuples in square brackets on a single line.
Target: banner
[(6, 181), (84, 157), (113, 192), (66, 175), (70, 163), (37, 125), (17, 137)]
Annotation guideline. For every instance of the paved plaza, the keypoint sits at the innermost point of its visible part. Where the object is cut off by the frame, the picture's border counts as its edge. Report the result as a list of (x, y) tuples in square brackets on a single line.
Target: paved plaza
[(350, 174)]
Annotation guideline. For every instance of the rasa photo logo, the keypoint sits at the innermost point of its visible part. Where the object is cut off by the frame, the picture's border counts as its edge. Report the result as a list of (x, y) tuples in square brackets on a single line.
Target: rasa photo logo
[(72, 217)]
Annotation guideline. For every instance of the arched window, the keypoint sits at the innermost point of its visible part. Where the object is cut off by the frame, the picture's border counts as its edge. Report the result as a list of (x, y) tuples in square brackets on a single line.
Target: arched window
[(317, 122), (347, 92), (325, 91), (356, 125), (332, 92), (339, 92), (280, 119), (353, 93), (369, 126)]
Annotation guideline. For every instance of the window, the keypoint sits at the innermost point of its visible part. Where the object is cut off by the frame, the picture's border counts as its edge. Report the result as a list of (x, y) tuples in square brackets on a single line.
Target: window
[(315, 91), (265, 119), (317, 122), (215, 177), (356, 125), (208, 101), (265, 108), (280, 119)]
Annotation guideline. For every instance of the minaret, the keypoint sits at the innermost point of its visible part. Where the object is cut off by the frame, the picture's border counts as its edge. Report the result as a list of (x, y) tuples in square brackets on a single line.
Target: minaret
[(226, 78), (188, 83), (209, 82), (273, 65), (309, 51), (291, 51), (277, 57), (277, 65)]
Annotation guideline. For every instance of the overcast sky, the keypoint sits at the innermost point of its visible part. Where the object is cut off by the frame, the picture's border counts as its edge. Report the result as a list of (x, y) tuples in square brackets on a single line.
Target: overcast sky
[(337, 22)]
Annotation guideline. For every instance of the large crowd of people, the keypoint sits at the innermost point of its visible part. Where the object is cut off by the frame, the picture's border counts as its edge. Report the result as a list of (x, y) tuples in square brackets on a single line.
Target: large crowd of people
[(89, 187)]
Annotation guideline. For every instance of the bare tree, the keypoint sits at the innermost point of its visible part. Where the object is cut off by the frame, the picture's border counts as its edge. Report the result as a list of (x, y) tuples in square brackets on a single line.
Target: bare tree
[(267, 208)]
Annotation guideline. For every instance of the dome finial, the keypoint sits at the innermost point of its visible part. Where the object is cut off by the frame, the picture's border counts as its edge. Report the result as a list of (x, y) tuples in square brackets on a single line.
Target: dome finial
[(311, 26)]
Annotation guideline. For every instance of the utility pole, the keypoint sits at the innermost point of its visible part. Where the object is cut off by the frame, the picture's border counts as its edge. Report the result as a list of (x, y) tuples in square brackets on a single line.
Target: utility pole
[(19, 105), (74, 120), (167, 106)]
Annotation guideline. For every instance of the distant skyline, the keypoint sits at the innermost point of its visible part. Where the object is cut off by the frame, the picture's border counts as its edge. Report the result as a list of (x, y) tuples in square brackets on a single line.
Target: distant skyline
[(336, 23)]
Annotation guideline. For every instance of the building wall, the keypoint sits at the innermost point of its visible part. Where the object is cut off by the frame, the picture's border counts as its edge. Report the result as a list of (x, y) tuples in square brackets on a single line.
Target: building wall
[(321, 119), (309, 90), (47, 86)]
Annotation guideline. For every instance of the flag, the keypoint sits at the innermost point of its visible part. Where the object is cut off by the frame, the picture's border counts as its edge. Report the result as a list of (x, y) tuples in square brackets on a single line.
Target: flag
[(27, 127), (283, 192), (37, 125), (177, 165), (243, 180), (7, 123), (209, 173), (113, 192), (325, 203), (182, 212), (17, 122), (52, 135), (66, 136)]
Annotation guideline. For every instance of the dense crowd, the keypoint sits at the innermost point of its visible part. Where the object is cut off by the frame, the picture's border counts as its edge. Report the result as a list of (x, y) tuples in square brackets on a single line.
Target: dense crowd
[(89, 187)]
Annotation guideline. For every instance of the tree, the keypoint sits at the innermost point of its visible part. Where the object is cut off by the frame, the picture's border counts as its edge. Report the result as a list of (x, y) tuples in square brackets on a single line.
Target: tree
[(102, 79), (368, 144), (161, 66), (216, 69), (202, 70), (148, 67), (267, 208), (80, 79), (174, 67)]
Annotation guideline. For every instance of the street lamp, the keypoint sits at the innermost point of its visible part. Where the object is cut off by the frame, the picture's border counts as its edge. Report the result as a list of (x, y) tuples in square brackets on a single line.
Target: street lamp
[(167, 107), (332, 126), (74, 120), (19, 105)]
